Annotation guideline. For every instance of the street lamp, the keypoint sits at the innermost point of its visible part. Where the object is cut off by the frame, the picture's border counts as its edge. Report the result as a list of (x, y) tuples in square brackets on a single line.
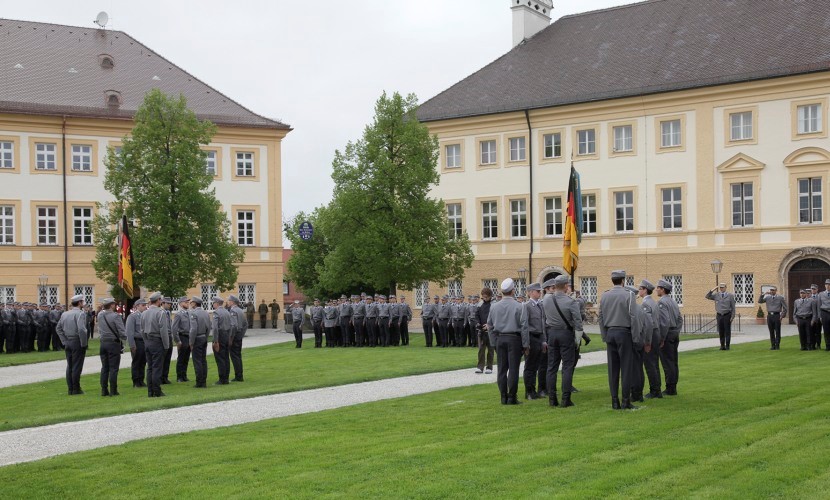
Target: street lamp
[(716, 268), (43, 281), (522, 275)]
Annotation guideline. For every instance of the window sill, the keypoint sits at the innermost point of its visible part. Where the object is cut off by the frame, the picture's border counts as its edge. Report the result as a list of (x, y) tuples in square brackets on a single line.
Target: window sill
[(83, 245)]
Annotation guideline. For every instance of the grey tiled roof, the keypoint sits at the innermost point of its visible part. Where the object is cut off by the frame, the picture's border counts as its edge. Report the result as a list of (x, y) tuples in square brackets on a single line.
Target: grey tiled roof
[(645, 48), (61, 74)]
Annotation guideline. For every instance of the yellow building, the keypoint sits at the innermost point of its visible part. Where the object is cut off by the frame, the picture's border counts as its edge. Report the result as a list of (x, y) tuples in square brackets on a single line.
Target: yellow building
[(699, 130), (69, 93)]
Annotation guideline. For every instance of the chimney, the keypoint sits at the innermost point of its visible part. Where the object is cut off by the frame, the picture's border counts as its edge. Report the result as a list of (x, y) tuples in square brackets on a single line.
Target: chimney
[(529, 18)]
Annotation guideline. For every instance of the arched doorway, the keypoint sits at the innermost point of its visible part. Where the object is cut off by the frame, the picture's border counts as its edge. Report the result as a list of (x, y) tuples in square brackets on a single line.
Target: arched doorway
[(802, 274), (549, 273)]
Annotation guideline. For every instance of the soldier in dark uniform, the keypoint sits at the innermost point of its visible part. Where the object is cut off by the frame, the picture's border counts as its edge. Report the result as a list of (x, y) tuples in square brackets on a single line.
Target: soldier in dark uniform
[(24, 321), (619, 326), (54, 317), (2, 328), (507, 325), (263, 314), (136, 342), (406, 317), (651, 352), (359, 321), (535, 324), (181, 337), (671, 321), (563, 325), (815, 326), (824, 313), (394, 321), (112, 335), (640, 343), (383, 321), (275, 313), (72, 332), (803, 312), (235, 349), (9, 319), (41, 321), (249, 313), (444, 314), (199, 331), (317, 314), (167, 306), (485, 348), (725, 311), (297, 318), (221, 331), (777, 308)]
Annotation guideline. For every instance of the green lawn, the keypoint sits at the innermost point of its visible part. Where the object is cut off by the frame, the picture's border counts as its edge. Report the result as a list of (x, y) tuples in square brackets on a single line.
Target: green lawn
[(749, 423), (26, 358)]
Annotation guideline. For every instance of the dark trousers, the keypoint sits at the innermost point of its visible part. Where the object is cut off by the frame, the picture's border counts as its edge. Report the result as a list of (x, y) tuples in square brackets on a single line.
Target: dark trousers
[(458, 329), (825, 321), (273, 321), (222, 357), (774, 326), (235, 353), (262, 318), (74, 364), (471, 335), (395, 332), (350, 328), (298, 333), (199, 351), (509, 351), (165, 368), (23, 337), (804, 333), (372, 331), (31, 337), (725, 329), (427, 326), (139, 363), (638, 379), (620, 361), (383, 331), (815, 334), (443, 332), (11, 337), (485, 351), (669, 360), (344, 331), (156, 353), (330, 340), (561, 349), (360, 331), (542, 372), (404, 332), (651, 360), (110, 353), (43, 338), (318, 333), (2, 336), (184, 358), (57, 345), (532, 361)]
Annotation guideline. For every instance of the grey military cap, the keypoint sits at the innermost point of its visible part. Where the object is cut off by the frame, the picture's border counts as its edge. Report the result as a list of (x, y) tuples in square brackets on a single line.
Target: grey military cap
[(774, 288), (827, 282), (217, 300), (562, 279), (183, 299), (436, 297), (631, 289), (342, 296), (105, 302), (665, 285), (445, 297), (617, 274), (534, 287), (814, 286), (154, 297), (233, 298), (77, 298), (722, 285), (804, 291), (167, 300), (648, 285), (197, 300), (382, 297), (549, 283), (508, 285), (140, 302)]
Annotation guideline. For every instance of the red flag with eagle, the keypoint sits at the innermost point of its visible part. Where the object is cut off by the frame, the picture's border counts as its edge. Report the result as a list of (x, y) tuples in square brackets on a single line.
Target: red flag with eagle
[(126, 264), (573, 224)]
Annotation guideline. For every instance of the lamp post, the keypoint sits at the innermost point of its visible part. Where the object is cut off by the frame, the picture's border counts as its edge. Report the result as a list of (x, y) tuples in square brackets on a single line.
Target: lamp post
[(43, 281), (717, 265), (522, 274)]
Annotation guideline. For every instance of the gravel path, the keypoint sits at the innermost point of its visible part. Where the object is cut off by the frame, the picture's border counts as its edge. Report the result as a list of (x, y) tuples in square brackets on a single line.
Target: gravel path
[(35, 443)]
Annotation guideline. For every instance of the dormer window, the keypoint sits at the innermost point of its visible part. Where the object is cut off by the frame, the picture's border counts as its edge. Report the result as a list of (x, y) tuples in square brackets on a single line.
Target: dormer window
[(106, 61), (113, 98)]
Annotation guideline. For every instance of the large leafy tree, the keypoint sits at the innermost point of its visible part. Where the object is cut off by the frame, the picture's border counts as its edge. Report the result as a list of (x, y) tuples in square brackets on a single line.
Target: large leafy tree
[(382, 229), (180, 234)]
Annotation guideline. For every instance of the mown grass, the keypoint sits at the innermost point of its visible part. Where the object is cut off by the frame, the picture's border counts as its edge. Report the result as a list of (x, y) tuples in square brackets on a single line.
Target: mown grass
[(27, 358), (749, 423)]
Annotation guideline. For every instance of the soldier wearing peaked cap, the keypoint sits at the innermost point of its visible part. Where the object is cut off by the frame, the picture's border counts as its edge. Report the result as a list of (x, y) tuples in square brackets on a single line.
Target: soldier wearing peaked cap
[(54, 317), (359, 321), (330, 321), (823, 300), (166, 307), (136, 342), (317, 313), (619, 326), (444, 313), (507, 325), (242, 325), (156, 332), (486, 350), (671, 321), (651, 352), (725, 311), (815, 326), (405, 318), (9, 319), (803, 312), (776, 309), (221, 331), (40, 318), (428, 314), (472, 321), (345, 312), (198, 337), (384, 320), (535, 325), (111, 333), (72, 332), (297, 318), (640, 343), (563, 328), (181, 337)]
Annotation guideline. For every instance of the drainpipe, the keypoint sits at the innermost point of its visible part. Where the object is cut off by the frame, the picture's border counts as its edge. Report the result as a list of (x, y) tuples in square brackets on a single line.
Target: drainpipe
[(65, 216), (530, 210)]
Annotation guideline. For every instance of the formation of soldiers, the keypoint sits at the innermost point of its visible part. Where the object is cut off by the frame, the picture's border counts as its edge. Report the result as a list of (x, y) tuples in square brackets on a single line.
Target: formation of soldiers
[(811, 312), (26, 327)]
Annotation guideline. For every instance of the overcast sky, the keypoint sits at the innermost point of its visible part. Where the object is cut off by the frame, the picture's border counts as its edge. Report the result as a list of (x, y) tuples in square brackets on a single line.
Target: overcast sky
[(316, 65)]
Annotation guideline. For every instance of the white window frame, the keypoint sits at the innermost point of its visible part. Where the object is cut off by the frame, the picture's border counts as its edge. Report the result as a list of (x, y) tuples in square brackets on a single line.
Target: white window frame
[(452, 152), (46, 157), (211, 163), (421, 294), (629, 280), (586, 142), (245, 228), (744, 286), (8, 293), (671, 133), (489, 220), (810, 119), (553, 143), (589, 214), (247, 293), (88, 291), (82, 226), (588, 288), (624, 211), (7, 225), (745, 212), (455, 288), (81, 158), (285, 290), (491, 283), (208, 292), (675, 207), (518, 148), (6, 154), (554, 216), (47, 226), (623, 138), (676, 281), (740, 126), (810, 214), (518, 219), (487, 152), (454, 219), (50, 293), (245, 164)]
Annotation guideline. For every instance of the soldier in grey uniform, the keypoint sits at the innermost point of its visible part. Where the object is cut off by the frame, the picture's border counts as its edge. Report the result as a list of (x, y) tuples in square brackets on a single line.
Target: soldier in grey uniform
[(72, 332), (671, 321), (444, 314), (428, 313), (777, 308), (40, 318), (618, 326), (181, 338), (54, 317), (384, 320), (563, 327), (221, 330), (235, 349), (317, 313), (394, 321), (156, 332), (406, 317), (297, 317), (507, 324), (458, 322), (371, 321), (167, 306), (112, 335), (651, 352), (640, 343), (815, 326), (136, 342), (725, 311), (345, 314), (359, 321), (24, 321), (535, 324), (803, 312), (472, 321), (330, 323), (9, 319), (824, 313), (2, 327), (198, 336), (486, 350)]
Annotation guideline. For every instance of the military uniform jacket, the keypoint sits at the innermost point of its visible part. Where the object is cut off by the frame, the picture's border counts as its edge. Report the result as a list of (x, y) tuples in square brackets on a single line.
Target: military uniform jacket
[(359, 310), (803, 308), (241, 321), (823, 300), (199, 324), (220, 324), (406, 312), (297, 313), (317, 314), (652, 319), (457, 313), (507, 317), (671, 321), (724, 302), (133, 328), (329, 316), (618, 309), (570, 311), (73, 325), (775, 303), (40, 318), (444, 311), (263, 309), (54, 316), (155, 324), (383, 311), (111, 326), (428, 311), (462, 311), (275, 309), (372, 310), (395, 312), (181, 325), (23, 317), (535, 322), (472, 315), (9, 316), (344, 310)]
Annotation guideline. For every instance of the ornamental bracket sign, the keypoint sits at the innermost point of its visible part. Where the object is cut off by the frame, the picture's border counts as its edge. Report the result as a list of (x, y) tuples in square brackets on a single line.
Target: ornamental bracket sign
[(306, 231)]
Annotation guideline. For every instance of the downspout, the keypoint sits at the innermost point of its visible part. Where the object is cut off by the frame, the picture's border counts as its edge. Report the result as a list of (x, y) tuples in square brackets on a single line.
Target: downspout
[(530, 210), (65, 216)]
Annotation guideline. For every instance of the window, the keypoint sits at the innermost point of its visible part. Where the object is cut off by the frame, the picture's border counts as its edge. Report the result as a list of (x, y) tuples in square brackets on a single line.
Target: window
[(629, 280), (488, 152), (6, 154), (208, 292), (672, 209), (245, 228), (47, 226), (553, 145), (589, 214), (490, 283), (6, 225), (454, 219), (742, 207), (744, 286), (489, 220), (247, 293), (245, 164), (81, 158), (517, 149), (553, 216), (45, 156), (48, 294), (455, 288), (422, 294), (210, 162), (741, 126), (521, 286), (586, 142), (670, 134), (82, 222), (676, 281), (87, 292), (285, 288), (518, 218), (588, 288), (7, 294), (453, 153), (809, 119), (624, 210), (809, 200), (623, 139)]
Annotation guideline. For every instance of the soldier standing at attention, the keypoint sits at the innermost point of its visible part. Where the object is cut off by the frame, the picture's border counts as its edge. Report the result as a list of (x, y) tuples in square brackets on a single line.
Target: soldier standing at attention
[(671, 321), (383, 321), (181, 337), (330, 322), (345, 315), (458, 321), (54, 317), (618, 326), (406, 317), (9, 327), (235, 349), (815, 326), (359, 321), (651, 353), (275, 313), (824, 313), (563, 324), (535, 325), (72, 332), (428, 311), (317, 314), (507, 325), (371, 321), (24, 321), (263, 314), (111, 334), (136, 343), (725, 310), (41, 320), (485, 348), (776, 308), (472, 321), (166, 307), (2, 327), (221, 329), (640, 343), (199, 331), (803, 312), (249, 312), (444, 314), (394, 321), (297, 317)]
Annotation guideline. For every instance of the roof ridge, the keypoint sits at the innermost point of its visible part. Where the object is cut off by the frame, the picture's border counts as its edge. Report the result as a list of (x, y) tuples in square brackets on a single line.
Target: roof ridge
[(607, 9)]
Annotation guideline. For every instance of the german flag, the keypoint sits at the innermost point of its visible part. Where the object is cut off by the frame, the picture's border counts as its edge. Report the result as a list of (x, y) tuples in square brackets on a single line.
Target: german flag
[(126, 264), (573, 224)]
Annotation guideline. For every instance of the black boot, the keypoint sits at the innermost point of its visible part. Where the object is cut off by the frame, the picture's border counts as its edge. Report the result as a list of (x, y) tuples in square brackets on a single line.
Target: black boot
[(626, 405), (615, 403), (552, 399), (531, 395), (566, 400), (114, 391), (654, 395), (542, 394), (504, 399), (512, 399)]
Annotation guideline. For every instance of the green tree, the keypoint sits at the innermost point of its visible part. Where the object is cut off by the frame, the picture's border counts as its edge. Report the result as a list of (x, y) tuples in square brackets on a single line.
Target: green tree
[(180, 235), (382, 229), (304, 267)]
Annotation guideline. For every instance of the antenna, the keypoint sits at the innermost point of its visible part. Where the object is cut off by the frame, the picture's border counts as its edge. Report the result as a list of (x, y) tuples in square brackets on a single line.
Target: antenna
[(102, 19)]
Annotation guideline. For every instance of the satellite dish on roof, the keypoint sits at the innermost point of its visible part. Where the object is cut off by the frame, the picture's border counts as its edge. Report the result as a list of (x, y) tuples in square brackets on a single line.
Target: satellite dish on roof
[(102, 19)]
